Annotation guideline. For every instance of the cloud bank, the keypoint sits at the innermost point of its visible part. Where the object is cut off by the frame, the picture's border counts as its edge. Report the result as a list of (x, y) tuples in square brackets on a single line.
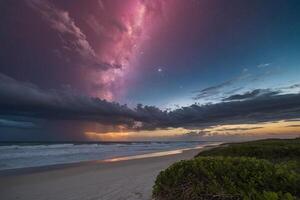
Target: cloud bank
[(27, 100)]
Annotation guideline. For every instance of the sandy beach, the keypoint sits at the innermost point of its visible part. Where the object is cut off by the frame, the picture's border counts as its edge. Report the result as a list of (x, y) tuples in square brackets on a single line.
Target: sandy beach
[(110, 180)]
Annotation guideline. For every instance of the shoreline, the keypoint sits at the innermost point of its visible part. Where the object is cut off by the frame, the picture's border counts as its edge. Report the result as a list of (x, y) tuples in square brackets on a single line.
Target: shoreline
[(121, 179), (19, 171)]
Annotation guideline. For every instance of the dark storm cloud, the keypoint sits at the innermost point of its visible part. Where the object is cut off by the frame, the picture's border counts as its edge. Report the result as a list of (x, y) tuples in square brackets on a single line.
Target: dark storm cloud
[(259, 93), (294, 86), (25, 99), (252, 94), (268, 108), (16, 124)]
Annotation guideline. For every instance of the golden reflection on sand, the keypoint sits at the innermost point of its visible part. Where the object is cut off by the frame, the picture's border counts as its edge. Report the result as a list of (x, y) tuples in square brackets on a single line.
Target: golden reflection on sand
[(149, 155), (158, 154)]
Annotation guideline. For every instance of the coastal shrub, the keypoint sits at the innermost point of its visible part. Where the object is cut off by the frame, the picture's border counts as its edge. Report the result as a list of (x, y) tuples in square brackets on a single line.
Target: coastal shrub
[(208, 178), (278, 151), (274, 150)]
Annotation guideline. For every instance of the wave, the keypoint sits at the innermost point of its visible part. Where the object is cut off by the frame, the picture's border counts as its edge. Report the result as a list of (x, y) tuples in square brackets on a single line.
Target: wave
[(21, 156)]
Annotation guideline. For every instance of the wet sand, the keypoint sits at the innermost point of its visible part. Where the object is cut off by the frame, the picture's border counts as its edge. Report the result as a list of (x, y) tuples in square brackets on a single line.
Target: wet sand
[(117, 179)]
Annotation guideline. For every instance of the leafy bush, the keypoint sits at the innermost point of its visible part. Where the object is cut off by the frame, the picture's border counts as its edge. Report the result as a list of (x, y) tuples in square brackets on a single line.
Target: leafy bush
[(206, 178), (274, 150), (278, 151)]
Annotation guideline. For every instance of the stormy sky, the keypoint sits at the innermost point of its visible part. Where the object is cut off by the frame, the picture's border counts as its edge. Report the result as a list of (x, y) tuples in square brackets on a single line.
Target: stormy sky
[(149, 69)]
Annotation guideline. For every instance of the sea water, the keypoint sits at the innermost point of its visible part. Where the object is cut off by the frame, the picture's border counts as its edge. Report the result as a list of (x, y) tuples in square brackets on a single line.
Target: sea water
[(24, 155)]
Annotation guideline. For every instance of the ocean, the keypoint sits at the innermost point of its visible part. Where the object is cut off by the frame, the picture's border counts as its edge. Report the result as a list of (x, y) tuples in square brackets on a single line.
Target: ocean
[(24, 155)]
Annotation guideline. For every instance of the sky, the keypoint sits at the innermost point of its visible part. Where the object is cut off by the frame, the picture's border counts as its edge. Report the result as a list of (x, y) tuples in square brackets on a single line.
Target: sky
[(149, 69)]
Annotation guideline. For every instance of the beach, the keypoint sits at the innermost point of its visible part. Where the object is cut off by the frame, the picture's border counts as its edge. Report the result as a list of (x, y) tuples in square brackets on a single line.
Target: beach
[(116, 179)]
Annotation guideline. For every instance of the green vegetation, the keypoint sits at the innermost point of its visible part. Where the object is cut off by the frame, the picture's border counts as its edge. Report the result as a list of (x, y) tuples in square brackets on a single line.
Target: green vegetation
[(277, 151), (274, 150), (259, 170)]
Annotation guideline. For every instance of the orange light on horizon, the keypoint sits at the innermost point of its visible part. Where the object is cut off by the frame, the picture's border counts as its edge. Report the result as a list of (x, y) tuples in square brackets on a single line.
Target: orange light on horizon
[(266, 129)]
